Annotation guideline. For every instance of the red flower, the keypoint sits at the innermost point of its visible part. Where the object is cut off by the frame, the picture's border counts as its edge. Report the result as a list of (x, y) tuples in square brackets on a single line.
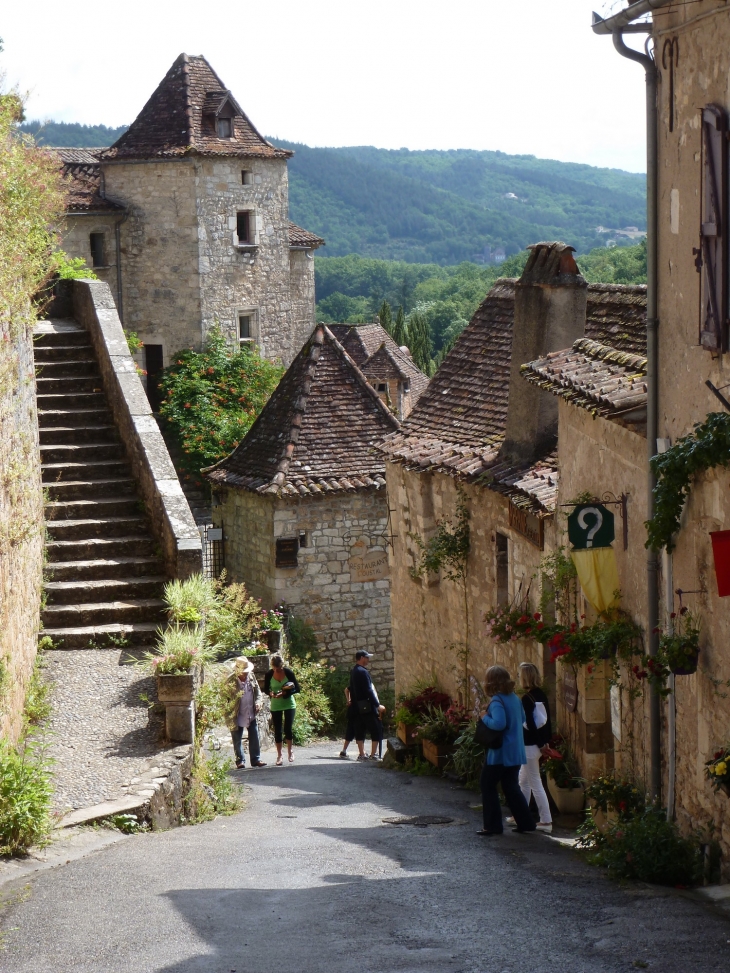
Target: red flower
[(655, 630), (522, 619), (589, 669), (622, 805), (187, 405), (673, 615), (582, 616), (540, 625), (537, 616), (683, 610)]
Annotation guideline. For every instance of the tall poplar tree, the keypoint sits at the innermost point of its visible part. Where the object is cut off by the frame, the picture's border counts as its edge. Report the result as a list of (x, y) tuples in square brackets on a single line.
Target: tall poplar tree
[(385, 317), (419, 335), (400, 331)]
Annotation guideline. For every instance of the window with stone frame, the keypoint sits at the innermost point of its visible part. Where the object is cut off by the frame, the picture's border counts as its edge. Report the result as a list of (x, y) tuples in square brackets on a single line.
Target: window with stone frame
[(96, 245), (245, 227), (246, 177), (247, 326)]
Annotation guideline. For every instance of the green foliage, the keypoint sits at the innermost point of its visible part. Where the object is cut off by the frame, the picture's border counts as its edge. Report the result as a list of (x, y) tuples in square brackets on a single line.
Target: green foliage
[(212, 791), (448, 206), (232, 626), (401, 334), (611, 793), (314, 714), (71, 268), (705, 448), (37, 707), (615, 265), (647, 848), (212, 397), (26, 790), (468, 757), (448, 547), (419, 342), (302, 641), (336, 680), (443, 726), (72, 134), (558, 586), (133, 341), (561, 765), (178, 651), (190, 600), (385, 316), (127, 823)]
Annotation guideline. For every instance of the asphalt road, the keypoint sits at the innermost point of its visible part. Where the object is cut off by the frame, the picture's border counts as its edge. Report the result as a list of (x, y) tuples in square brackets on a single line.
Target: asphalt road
[(309, 879)]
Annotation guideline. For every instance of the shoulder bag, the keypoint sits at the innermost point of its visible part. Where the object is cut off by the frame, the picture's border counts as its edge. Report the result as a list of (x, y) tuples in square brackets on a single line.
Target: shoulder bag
[(485, 736)]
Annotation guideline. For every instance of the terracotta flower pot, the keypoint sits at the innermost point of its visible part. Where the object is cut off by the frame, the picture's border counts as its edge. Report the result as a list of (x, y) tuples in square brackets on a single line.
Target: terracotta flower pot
[(566, 800)]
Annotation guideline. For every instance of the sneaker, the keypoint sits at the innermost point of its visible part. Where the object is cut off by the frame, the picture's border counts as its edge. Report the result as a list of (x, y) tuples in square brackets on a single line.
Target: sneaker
[(344, 755), (361, 756), (510, 820), (373, 756), (547, 828)]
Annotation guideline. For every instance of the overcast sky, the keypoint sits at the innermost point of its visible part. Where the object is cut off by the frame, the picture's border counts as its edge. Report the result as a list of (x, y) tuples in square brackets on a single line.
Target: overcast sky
[(523, 76)]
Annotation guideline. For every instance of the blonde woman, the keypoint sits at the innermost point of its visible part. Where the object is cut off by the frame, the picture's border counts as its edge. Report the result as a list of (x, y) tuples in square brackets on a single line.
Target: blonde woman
[(280, 685), (537, 732), (502, 764)]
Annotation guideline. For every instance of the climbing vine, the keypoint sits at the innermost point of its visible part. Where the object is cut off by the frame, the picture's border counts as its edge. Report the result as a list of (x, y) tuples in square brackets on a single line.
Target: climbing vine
[(708, 446), (447, 551)]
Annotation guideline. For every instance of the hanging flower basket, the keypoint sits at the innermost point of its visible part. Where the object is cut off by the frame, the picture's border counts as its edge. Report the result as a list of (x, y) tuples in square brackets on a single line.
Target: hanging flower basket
[(689, 667)]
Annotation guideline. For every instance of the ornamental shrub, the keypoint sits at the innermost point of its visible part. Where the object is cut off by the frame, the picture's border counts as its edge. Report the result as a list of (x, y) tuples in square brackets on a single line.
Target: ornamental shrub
[(210, 399), (26, 790)]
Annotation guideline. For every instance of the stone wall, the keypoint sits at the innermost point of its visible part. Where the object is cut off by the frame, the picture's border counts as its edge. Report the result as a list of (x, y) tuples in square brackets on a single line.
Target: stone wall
[(21, 521), (428, 613), (340, 585), (301, 276), (76, 243)]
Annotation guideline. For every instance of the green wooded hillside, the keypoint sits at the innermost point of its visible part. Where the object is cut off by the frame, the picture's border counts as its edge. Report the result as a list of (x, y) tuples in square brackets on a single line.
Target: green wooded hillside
[(445, 207), (70, 135)]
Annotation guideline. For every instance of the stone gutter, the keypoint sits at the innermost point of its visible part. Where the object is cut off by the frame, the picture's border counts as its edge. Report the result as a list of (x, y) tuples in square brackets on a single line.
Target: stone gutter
[(170, 516)]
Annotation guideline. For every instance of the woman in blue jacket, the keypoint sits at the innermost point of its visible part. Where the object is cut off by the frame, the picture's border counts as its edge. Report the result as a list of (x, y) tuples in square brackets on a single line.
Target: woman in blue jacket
[(503, 764)]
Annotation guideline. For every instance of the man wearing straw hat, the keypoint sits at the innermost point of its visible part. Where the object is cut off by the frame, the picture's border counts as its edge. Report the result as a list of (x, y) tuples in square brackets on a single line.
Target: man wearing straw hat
[(243, 701)]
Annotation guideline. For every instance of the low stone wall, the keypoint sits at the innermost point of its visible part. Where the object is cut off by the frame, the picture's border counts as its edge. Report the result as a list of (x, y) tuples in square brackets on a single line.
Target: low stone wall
[(170, 516), (21, 521)]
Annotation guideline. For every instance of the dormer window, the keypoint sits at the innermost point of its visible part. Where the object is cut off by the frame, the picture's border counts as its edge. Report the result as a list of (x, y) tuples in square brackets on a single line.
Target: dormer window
[(224, 128), (219, 109)]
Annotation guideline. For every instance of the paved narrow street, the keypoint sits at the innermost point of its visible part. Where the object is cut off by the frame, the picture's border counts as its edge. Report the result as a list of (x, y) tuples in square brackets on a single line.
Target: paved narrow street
[(309, 877)]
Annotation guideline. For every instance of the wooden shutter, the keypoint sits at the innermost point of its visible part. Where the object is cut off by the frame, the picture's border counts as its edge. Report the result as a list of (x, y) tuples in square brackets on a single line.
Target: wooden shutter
[(712, 258)]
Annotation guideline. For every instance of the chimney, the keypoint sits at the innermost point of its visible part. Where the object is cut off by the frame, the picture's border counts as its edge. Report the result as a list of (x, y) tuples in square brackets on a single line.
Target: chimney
[(550, 314)]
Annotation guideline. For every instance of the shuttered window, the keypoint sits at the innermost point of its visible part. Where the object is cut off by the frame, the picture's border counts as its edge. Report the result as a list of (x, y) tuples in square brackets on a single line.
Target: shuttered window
[(713, 251)]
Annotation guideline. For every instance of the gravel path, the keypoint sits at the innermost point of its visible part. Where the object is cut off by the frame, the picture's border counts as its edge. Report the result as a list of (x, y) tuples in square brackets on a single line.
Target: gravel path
[(314, 875), (100, 731)]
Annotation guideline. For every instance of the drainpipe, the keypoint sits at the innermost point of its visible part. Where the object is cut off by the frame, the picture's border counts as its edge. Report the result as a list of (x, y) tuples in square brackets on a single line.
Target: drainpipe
[(651, 380)]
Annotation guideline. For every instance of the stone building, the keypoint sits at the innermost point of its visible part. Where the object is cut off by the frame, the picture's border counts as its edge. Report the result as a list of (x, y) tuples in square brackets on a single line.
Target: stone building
[(390, 369), (303, 506), (482, 432), (186, 218)]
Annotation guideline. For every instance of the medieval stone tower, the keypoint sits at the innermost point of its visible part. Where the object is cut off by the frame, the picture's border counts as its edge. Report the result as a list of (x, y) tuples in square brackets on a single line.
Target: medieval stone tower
[(186, 217)]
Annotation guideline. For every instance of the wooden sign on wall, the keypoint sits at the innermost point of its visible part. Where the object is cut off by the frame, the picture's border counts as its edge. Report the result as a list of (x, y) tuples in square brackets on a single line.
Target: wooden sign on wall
[(367, 565), (570, 689), (528, 524)]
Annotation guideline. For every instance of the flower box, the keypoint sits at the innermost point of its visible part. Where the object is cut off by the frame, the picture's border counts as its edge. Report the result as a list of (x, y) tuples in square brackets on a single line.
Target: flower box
[(567, 800), (180, 687), (407, 734), (436, 753)]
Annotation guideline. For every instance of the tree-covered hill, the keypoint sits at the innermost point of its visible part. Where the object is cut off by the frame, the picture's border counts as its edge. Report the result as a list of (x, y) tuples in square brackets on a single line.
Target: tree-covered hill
[(439, 207), (449, 206), (69, 135)]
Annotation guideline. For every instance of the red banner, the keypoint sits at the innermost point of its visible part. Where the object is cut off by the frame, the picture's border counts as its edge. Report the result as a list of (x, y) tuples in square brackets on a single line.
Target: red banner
[(721, 553)]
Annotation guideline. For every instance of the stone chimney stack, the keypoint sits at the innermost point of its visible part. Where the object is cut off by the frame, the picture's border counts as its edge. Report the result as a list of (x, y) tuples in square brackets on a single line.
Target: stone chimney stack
[(550, 314)]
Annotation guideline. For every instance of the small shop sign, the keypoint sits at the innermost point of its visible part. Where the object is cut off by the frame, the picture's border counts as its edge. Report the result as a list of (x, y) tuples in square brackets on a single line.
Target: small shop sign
[(528, 524)]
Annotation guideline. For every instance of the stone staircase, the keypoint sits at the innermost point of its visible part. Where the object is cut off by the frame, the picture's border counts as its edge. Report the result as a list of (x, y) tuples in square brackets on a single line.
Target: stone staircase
[(104, 572)]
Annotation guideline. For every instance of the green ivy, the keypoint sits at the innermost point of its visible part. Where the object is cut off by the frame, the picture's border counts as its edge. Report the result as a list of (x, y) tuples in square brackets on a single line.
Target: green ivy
[(708, 446)]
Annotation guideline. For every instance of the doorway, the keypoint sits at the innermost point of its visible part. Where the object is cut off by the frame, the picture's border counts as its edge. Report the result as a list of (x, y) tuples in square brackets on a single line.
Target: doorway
[(153, 367)]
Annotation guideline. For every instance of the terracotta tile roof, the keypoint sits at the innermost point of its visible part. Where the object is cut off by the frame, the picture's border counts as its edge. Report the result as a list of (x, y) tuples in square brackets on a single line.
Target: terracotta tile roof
[(458, 425), (175, 120), (371, 348), (616, 316), (604, 380), (317, 433), (82, 179), (303, 239)]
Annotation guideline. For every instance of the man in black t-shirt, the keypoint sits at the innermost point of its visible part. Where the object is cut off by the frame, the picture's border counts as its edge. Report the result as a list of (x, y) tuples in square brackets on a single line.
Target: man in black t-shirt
[(365, 706)]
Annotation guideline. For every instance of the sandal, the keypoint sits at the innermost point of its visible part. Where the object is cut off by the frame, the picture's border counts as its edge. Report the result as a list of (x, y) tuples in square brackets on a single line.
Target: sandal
[(291, 758), (279, 761)]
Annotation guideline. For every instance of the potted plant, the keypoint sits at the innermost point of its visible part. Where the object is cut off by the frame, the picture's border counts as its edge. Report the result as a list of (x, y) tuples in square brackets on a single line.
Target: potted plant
[(717, 770), (190, 601), (611, 799), (177, 663), (271, 626), (680, 650), (234, 623), (412, 710), (564, 783), (439, 732)]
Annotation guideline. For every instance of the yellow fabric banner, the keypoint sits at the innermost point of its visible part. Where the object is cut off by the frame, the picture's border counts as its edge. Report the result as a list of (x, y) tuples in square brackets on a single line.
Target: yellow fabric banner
[(598, 575)]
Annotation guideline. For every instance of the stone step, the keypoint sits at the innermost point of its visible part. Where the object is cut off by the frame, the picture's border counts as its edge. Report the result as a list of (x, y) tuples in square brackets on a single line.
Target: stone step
[(104, 636), (100, 508), (68, 454), (101, 469), (127, 611), (66, 337), (95, 548), (90, 489), (101, 568), (50, 435), (72, 399), (59, 386), (69, 530), (74, 417), (67, 368), (103, 590), (77, 352)]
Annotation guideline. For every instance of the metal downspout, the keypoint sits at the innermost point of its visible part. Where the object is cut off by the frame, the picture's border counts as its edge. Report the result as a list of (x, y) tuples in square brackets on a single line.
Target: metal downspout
[(652, 323)]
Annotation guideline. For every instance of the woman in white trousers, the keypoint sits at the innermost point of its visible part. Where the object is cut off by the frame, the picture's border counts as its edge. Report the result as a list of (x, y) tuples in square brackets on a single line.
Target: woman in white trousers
[(537, 732)]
